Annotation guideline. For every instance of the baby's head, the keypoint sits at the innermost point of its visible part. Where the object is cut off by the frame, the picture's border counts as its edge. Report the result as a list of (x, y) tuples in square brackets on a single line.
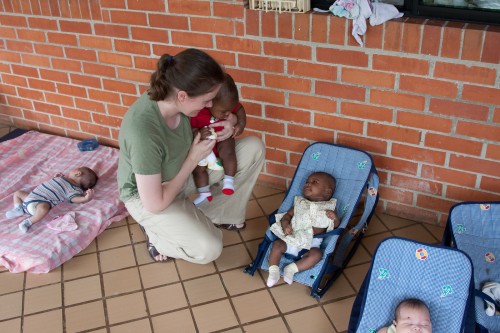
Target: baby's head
[(85, 177), (319, 186), (226, 99), (412, 315)]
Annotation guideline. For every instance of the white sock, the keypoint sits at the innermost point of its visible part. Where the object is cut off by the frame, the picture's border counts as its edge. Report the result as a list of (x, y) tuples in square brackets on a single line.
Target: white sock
[(274, 275), (15, 212), (202, 197), (289, 271), (228, 188), (25, 225)]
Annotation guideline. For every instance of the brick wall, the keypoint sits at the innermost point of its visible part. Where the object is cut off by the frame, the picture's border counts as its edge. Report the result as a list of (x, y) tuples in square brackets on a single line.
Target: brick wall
[(422, 97)]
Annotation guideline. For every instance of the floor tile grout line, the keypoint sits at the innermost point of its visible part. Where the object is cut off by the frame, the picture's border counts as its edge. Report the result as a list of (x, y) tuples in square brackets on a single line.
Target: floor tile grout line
[(101, 279)]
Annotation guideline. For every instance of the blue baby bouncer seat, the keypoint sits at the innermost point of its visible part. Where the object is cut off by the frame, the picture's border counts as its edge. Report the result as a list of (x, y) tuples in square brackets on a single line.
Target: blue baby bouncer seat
[(401, 269), (474, 227), (356, 191)]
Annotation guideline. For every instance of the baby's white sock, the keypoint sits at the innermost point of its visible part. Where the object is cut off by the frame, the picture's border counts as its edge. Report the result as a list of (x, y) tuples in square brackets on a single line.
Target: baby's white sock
[(228, 188), (274, 275), (204, 196), (15, 212), (289, 271), (25, 225)]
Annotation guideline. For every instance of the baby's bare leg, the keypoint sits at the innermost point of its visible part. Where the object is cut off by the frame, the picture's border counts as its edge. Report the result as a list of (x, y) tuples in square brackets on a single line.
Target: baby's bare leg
[(200, 176), (17, 210), (309, 259), (19, 197), (277, 250), (227, 153), (41, 210)]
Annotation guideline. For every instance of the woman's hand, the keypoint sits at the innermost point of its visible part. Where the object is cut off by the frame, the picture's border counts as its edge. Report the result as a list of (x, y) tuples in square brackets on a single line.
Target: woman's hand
[(200, 149), (228, 129)]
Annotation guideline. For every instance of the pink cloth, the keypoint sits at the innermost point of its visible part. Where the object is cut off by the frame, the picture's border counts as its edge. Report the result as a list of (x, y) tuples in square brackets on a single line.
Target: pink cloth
[(32, 158), (63, 223)]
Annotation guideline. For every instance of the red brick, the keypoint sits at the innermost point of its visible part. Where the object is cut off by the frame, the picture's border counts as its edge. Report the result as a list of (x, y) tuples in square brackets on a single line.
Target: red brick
[(472, 164), (125, 17), (36, 116), (13, 21), (252, 22), (465, 194), (411, 213), (416, 184), (104, 96), (263, 95), (342, 57), (56, 76), (10, 56), (35, 7), (102, 119), (418, 154), (32, 35), (71, 90), (389, 98), (447, 175), (411, 37), (424, 121), (367, 77), (472, 44), (398, 64), (31, 94), (101, 70), (280, 169), (434, 203), (67, 65), (428, 86), (374, 37), (42, 23), (168, 21), (311, 70), (113, 4), (366, 111), (342, 91), (64, 39), (111, 30), (392, 194), (134, 75), (85, 80), (212, 25), (285, 143), (244, 76), (496, 116), (287, 114), (77, 27), (394, 164), (490, 184), (452, 38), (14, 45), (275, 155), (285, 26), (14, 80), (192, 39), (64, 123), (119, 86), (36, 60), (458, 109), (8, 32), (190, 7), (395, 133), (59, 99), (338, 123), (287, 83), (491, 52), (266, 125), (52, 50), (393, 35), (20, 102), (229, 10), (224, 58), (338, 28), (319, 29), (89, 105), (265, 64), (431, 38), (302, 27), (93, 42), (132, 47), (116, 110), (476, 130), (446, 142), (150, 5), (312, 102), (493, 151), (24, 70), (364, 143), (115, 59), (287, 50), (8, 90), (458, 72), (147, 34), (42, 85), (481, 94), (95, 129), (268, 24), (310, 133), (128, 100), (47, 108), (80, 54)]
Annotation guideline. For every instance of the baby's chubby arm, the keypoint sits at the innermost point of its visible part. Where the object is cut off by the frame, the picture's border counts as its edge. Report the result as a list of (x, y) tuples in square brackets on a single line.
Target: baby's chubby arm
[(88, 195), (286, 222), (332, 215)]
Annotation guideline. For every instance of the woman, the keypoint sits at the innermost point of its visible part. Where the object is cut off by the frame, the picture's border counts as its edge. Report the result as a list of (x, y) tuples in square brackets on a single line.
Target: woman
[(158, 154)]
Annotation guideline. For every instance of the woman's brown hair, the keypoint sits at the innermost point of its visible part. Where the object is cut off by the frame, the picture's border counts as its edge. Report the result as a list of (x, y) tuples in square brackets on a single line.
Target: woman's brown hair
[(191, 70)]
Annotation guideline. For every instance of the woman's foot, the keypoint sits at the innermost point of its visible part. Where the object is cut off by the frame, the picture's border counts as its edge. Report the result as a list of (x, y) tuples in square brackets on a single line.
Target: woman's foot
[(153, 252), (232, 227)]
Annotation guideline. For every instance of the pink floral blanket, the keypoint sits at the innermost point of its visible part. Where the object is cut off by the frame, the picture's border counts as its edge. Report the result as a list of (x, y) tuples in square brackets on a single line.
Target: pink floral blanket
[(32, 158)]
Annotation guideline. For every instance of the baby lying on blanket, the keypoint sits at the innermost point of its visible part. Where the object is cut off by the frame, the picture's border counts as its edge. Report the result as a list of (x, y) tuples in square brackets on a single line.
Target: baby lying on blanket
[(76, 187), (312, 214)]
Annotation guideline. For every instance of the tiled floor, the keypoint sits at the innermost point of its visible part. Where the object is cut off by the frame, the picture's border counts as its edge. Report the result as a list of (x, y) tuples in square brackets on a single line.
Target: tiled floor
[(114, 287)]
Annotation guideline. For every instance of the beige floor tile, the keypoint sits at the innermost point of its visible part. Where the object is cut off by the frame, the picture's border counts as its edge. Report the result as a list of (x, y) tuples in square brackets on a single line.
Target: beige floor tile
[(232, 257), (117, 258), (253, 210), (339, 289), (340, 312), (11, 282), (311, 320), (42, 298), (157, 274), (101, 330), (89, 249), (292, 297), (125, 308), (360, 256), (356, 274), (375, 226), (371, 242), (13, 325), (264, 191), (37, 280), (139, 326), (46, 322), (188, 270), (167, 298), (394, 222), (238, 282), (122, 281), (275, 325), (84, 317), (142, 254), (136, 233), (179, 321), (256, 228), (81, 266), (253, 247), (205, 289), (435, 230), (82, 290), (416, 232), (112, 238), (230, 237), (271, 203), (11, 305), (233, 330), (214, 316), (254, 306), (118, 224)]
